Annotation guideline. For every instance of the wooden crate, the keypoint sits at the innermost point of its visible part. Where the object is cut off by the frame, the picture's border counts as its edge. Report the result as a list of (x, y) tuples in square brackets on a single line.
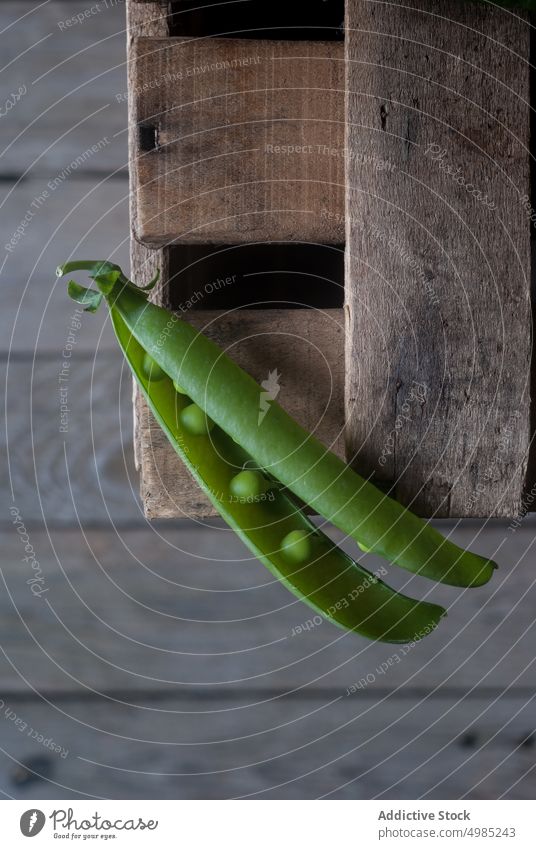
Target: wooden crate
[(409, 144), (243, 140)]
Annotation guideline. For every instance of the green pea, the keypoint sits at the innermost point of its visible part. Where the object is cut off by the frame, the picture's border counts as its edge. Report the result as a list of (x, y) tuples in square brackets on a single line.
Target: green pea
[(364, 547), (151, 369), (195, 420), (179, 389), (248, 484), (297, 546)]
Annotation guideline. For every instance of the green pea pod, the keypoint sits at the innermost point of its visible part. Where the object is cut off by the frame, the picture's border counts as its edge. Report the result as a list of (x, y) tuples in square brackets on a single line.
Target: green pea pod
[(278, 444), (322, 575)]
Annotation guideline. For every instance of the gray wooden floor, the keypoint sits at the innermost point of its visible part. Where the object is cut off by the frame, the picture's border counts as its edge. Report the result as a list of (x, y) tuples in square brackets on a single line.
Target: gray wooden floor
[(158, 661)]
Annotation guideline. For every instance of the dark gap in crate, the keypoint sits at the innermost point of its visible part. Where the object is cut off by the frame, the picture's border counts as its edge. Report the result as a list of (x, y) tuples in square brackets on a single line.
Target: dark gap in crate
[(319, 20), (289, 275), (147, 137)]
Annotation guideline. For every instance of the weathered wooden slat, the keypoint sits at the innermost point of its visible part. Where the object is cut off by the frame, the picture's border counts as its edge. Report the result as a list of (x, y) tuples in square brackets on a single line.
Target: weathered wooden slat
[(306, 347), (438, 333), (68, 435), (238, 140), (73, 85), (288, 748), (143, 19), (179, 609), (69, 130), (83, 217)]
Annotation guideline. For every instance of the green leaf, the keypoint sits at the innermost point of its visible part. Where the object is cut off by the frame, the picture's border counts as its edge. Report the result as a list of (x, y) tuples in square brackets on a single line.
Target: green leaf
[(89, 298)]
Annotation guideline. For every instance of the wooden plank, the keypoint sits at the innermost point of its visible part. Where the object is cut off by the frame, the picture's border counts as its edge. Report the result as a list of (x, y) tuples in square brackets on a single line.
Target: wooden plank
[(188, 609), (306, 347), (73, 84), (68, 443), (143, 19), (239, 140), (438, 334), (36, 312), (284, 748)]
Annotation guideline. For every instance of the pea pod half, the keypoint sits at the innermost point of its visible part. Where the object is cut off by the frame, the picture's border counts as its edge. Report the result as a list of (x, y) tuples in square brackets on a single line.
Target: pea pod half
[(277, 443)]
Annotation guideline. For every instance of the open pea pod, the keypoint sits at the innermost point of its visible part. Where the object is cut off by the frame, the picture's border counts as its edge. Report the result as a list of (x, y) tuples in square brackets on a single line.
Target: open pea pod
[(315, 569), (318, 573), (279, 445)]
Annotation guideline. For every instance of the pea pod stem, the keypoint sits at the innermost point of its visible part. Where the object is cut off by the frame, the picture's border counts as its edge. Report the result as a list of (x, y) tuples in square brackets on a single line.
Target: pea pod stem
[(278, 444)]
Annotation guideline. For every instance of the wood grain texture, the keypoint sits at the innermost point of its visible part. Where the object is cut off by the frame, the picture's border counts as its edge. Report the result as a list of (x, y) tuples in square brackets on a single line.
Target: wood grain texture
[(307, 349), (75, 83), (36, 312), (143, 19), (240, 140), (280, 748), (179, 610), (83, 473), (437, 274)]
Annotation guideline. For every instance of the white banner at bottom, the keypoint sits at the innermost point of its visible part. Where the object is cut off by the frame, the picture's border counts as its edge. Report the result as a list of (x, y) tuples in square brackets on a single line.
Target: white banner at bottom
[(268, 824)]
